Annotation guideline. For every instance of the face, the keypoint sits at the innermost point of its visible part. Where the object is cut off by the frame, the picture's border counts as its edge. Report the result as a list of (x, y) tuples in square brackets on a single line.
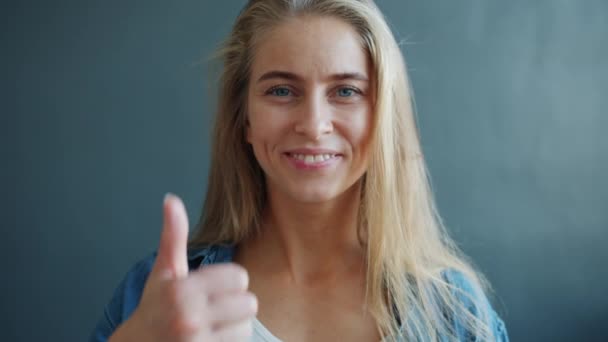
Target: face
[(309, 108)]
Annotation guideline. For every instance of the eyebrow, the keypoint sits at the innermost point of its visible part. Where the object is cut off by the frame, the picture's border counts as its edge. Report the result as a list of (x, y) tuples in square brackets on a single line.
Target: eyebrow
[(293, 77)]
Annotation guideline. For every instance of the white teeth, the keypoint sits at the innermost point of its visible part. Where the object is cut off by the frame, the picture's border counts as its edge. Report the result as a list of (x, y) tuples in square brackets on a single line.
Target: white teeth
[(313, 158)]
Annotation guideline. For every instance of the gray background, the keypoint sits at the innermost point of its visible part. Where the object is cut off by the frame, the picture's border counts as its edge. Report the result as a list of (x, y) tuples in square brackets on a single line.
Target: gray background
[(106, 106)]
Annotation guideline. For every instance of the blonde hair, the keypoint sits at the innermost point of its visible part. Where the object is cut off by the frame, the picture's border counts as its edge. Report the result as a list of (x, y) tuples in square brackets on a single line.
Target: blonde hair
[(408, 248)]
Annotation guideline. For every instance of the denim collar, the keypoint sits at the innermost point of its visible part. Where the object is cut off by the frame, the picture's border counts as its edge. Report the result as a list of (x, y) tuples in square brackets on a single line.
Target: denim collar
[(214, 254)]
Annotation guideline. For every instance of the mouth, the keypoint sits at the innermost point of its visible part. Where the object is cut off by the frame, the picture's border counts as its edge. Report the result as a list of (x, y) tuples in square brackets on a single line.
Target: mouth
[(312, 160)]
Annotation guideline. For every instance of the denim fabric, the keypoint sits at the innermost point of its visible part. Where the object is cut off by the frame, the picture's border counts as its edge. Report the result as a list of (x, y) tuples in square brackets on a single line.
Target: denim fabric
[(129, 291)]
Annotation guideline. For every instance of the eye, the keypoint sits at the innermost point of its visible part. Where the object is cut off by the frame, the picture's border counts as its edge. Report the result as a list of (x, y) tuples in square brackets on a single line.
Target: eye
[(346, 92), (279, 91)]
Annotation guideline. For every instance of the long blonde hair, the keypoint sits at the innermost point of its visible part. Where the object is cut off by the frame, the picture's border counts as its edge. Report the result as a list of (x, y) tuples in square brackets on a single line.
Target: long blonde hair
[(408, 248)]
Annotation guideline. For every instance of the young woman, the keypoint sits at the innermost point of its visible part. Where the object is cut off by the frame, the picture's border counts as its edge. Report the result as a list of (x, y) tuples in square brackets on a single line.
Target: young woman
[(318, 201)]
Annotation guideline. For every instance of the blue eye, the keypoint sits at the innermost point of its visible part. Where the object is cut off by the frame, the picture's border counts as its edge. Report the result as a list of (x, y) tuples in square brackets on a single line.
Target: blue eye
[(345, 92), (280, 91)]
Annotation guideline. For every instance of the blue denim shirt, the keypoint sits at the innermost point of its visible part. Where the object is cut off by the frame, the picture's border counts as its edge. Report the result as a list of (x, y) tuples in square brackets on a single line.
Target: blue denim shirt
[(129, 291)]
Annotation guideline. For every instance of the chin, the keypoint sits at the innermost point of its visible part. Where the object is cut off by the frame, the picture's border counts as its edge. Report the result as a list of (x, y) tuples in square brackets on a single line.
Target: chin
[(311, 194), (310, 191), (313, 198), (319, 195)]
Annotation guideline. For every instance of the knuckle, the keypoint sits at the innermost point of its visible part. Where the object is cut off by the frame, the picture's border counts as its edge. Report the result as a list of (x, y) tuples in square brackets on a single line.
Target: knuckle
[(184, 318), (182, 325), (248, 329), (174, 293), (240, 332)]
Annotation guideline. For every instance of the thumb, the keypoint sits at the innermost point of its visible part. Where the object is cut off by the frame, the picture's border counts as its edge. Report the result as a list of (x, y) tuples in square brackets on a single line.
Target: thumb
[(171, 260)]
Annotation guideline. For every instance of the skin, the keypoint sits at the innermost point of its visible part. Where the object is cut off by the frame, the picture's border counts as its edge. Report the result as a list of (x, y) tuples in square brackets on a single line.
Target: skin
[(307, 266), (209, 304)]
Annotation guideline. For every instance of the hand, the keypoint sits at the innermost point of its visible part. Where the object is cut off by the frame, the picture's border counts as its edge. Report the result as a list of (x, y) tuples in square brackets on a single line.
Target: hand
[(209, 304)]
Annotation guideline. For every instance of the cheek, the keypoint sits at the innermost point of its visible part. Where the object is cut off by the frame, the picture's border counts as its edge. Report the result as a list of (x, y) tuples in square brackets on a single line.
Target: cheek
[(266, 126), (257, 122), (357, 130)]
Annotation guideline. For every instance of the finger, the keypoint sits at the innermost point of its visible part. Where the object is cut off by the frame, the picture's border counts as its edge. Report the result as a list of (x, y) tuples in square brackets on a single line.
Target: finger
[(238, 331), (221, 278), (172, 260), (231, 308)]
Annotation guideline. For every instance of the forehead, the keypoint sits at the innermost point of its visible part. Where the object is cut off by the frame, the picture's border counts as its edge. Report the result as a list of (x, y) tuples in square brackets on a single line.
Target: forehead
[(311, 46)]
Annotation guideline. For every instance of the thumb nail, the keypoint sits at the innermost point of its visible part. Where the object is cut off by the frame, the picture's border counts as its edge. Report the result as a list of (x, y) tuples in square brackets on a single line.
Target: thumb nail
[(167, 196)]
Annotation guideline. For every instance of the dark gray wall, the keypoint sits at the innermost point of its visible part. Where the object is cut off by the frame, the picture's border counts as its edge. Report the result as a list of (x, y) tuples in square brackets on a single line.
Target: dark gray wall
[(106, 107)]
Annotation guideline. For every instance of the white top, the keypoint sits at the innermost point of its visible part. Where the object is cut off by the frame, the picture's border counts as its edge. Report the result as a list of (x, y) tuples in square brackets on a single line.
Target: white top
[(261, 334)]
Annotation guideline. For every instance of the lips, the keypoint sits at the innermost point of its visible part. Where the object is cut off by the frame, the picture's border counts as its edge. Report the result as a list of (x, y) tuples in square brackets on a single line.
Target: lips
[(312, 158), (312, 151)]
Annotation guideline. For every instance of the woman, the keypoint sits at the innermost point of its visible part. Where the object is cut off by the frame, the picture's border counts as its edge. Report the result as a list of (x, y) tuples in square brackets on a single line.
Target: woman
[(318, 199)]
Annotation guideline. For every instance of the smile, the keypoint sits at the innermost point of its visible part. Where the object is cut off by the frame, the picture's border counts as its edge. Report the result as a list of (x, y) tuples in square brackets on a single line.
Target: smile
[(313, 158), (317, 160)]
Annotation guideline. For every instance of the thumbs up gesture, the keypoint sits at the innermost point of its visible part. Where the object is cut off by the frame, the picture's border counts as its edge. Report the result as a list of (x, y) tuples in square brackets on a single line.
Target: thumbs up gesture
[(209, 304)]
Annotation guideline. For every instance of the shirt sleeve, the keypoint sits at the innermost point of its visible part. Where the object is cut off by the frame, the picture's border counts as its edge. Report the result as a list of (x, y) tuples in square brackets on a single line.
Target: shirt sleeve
[(123, 301), (478, 304)]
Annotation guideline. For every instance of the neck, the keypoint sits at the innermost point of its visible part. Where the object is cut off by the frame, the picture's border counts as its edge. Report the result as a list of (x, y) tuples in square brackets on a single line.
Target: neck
[(308, 242)]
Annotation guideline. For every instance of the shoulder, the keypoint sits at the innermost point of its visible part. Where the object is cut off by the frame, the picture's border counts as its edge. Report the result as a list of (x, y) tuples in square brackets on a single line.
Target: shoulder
[(472, 296), (128, 293)]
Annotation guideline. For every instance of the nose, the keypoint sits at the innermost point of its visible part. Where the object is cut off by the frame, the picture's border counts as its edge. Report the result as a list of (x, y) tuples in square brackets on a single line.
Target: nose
[(314, 118)]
